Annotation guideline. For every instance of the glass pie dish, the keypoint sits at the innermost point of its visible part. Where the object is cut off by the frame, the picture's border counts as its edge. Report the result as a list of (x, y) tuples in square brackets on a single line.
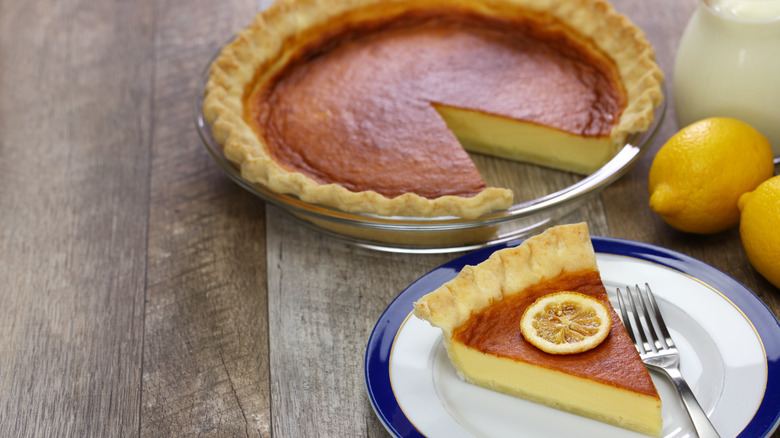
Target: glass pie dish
[(543, 197)]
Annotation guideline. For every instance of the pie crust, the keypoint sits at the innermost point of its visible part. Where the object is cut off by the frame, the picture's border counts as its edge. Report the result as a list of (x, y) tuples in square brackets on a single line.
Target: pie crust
[(281, 33), (558, 251)]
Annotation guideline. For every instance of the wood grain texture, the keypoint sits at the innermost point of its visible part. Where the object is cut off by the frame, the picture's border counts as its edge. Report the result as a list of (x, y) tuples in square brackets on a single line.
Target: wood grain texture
[(205, 368), (74, 166), (142, 293)]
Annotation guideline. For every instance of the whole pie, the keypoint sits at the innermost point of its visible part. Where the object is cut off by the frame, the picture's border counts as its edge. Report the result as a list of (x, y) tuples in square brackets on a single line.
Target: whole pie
[(479, 313), (367, 105)]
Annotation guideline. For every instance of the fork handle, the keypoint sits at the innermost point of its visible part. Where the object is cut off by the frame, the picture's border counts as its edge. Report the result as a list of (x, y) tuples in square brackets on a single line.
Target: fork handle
[(701, 423)]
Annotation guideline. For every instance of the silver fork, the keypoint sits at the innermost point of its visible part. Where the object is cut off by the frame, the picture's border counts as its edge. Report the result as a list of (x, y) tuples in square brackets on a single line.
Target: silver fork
[(657, 350)]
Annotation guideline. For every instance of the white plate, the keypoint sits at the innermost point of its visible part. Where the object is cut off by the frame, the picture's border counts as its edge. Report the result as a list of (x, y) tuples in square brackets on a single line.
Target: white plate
[(729, 342)]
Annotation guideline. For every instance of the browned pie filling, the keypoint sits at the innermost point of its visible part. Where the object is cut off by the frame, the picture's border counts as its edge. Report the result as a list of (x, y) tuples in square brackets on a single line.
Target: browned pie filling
[(357, 108), (496, 330)]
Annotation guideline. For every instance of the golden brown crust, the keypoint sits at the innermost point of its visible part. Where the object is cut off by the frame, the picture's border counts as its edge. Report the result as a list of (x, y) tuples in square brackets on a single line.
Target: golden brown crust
[(559, 250), (265, 47)]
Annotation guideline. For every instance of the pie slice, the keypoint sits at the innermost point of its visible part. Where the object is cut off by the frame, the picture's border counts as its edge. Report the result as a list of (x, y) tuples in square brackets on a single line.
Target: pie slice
[(479, 313), (366, 105)]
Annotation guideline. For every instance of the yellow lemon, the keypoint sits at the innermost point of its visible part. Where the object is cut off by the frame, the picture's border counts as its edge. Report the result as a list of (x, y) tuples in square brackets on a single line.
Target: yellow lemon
[(697, 177), (760, 228), (565, 323)]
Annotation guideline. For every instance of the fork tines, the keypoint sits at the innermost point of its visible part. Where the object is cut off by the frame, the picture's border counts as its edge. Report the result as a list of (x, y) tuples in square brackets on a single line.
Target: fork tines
[(646, 328)]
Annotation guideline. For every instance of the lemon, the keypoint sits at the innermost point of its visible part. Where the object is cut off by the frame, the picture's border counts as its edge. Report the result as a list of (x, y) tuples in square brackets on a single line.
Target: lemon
[(759, 228), (565, 323), (697, 177)]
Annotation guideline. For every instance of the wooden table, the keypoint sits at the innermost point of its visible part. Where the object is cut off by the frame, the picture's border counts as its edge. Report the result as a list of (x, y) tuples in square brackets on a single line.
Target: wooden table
[(142, 293)]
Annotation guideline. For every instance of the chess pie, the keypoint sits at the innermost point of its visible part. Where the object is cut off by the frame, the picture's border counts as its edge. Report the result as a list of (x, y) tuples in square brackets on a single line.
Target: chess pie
[(366, 105)]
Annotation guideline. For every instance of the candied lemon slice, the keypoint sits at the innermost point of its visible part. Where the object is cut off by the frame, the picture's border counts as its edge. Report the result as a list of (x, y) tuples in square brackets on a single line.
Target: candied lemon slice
[(566, 322)]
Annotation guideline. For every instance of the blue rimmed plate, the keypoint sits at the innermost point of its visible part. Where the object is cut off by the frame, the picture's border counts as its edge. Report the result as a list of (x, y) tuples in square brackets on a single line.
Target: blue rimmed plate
[(729, 341)]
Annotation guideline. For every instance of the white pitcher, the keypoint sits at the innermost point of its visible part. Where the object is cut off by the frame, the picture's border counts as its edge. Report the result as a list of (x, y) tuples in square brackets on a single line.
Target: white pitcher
[(728, 64)]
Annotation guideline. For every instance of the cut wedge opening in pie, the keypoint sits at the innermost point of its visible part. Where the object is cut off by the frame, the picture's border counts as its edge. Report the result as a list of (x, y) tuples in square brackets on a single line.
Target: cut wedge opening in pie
[(480, 312), (367, 105)]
